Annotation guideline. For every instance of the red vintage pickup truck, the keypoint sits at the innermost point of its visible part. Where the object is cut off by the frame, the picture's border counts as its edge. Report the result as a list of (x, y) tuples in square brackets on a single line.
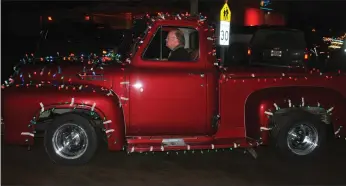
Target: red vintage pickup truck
[(149, 104)]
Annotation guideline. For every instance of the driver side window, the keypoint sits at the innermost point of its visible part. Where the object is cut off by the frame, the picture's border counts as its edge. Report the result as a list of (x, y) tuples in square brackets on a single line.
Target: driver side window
[(158, 51)]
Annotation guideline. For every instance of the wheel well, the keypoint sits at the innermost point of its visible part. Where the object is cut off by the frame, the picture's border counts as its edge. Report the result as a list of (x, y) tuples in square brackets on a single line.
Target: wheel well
[(317, 111), (46, 118), (268, 98)]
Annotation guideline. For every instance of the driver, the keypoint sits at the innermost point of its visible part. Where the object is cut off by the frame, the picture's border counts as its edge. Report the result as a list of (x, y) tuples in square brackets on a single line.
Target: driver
[(175, 41)]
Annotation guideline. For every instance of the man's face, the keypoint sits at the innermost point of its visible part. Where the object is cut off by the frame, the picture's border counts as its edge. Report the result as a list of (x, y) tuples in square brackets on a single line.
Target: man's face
[(171, 40)]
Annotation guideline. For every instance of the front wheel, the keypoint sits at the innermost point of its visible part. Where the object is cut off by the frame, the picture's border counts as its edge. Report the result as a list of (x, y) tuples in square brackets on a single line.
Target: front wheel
[(299, 135), (71, 140)]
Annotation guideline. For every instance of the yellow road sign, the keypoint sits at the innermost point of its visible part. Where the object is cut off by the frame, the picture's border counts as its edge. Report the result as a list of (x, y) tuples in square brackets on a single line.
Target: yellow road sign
[(225, 13)]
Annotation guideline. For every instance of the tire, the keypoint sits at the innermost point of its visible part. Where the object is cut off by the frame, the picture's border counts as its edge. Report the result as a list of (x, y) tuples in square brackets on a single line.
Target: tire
[(288, 129), (79, 135)]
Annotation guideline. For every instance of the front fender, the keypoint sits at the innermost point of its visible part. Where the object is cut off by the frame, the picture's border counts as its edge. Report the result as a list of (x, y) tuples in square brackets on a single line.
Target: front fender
[(22, 107), (261, 104)]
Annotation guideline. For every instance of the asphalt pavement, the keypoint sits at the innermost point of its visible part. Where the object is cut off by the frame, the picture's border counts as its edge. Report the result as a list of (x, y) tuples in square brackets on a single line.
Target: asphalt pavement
[(23, 167)]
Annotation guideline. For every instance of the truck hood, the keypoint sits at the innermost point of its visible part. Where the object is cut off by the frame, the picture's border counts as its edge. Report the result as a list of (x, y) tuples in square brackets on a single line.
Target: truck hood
[(75, 73)]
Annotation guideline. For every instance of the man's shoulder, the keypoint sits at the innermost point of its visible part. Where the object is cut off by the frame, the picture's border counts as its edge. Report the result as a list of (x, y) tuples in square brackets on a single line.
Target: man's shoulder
[(180, 54), (181, 50)]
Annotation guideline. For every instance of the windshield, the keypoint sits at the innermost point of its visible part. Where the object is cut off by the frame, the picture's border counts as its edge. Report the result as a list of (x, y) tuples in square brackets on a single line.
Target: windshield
[(137, 41), (139, 31)]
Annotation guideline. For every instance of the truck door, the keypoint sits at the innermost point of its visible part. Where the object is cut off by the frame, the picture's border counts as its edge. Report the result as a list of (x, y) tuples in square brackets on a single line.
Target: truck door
[(168, 97)]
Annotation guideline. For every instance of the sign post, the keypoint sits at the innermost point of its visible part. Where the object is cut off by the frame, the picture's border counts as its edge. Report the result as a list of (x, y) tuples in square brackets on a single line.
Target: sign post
[(224, 31)]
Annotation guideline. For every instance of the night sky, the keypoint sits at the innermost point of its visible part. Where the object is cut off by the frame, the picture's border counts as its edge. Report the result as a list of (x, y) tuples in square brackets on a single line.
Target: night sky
[(320, 14)]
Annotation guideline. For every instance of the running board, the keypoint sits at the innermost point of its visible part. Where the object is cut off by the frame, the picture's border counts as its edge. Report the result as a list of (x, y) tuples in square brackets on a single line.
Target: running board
[(160, 144)]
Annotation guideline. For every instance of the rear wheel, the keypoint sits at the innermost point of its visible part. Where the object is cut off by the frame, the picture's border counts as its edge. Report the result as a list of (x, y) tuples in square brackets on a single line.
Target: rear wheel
[(299, 134), (71, 139)]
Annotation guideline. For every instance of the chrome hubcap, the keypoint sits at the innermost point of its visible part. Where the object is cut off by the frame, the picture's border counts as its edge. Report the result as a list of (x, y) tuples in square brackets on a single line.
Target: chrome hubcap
[(70, 141), (302, 139)]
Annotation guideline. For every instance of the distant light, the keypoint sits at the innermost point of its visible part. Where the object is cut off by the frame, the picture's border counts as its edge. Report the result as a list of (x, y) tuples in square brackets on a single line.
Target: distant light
[(252, 17), (50, 18), (334, 46), (263, 8), (313, 30), (306, 56), (87, 18)]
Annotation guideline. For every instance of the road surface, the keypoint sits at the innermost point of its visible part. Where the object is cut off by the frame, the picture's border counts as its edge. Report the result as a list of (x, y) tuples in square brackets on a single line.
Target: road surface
[(22, 167)]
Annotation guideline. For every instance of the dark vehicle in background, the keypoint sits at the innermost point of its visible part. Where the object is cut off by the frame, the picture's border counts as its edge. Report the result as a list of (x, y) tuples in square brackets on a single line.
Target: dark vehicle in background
[(278, 47), (240, 38), (266, 45)]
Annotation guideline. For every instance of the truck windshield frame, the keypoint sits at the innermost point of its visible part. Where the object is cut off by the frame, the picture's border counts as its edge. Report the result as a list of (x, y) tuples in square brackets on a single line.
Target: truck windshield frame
[(137, 42)]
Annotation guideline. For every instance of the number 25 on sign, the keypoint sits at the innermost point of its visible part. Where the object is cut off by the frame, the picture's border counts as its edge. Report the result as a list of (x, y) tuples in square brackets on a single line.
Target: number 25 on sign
[(225, 21)]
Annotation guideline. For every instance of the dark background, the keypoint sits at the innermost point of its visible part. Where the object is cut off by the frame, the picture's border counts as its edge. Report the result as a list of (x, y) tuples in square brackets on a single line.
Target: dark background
[(21, 26), (299, 14)]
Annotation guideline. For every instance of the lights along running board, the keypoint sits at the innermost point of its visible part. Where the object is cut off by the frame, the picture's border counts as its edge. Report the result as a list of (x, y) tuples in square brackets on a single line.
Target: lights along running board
[(158, 140), (177, 144)]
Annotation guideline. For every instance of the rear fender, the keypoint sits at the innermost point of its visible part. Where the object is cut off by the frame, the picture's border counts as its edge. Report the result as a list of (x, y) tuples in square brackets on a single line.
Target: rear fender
[(262, 104), (23, 107)]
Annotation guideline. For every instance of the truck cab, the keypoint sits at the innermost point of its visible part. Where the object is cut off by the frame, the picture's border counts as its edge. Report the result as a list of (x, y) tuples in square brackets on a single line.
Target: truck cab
[(169, 90)]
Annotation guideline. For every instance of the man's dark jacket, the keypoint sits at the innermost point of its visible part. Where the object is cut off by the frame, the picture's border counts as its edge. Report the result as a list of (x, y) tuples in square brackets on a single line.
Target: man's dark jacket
[(179, 54)]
